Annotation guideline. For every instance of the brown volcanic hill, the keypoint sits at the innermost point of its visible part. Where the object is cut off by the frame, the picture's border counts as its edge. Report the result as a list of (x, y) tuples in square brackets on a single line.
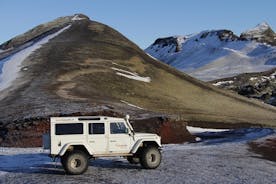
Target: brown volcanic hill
[(85, 66)]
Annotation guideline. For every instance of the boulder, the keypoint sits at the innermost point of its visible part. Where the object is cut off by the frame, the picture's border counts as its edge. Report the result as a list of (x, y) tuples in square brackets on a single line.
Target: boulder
[(171, 131)]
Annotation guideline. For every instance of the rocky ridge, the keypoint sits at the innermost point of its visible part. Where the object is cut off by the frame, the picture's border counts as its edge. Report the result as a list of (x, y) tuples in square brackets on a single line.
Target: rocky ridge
[(261, 86)]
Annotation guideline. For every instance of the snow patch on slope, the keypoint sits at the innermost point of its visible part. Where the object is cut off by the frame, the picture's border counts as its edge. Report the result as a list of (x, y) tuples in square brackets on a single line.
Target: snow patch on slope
[(77, 17), (222, 83), (131, 75), (11, 65), (131, 104), (151, 56), (195, 130)]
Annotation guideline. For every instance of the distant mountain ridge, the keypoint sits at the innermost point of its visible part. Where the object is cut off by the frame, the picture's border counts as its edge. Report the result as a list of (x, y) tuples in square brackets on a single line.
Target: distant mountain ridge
[(215, 54)]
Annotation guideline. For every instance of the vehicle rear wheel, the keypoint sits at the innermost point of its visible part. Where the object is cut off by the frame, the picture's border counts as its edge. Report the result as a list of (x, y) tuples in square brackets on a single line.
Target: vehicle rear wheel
[(150, 157), (133, 160), (75, 162)]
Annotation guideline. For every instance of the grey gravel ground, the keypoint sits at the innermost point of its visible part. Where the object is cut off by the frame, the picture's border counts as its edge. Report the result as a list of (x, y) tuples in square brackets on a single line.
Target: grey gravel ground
[(227, 162)]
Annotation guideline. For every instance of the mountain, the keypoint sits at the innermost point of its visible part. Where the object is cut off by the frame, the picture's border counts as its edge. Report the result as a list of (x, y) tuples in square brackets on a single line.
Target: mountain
[(217, 54), (76, 66)]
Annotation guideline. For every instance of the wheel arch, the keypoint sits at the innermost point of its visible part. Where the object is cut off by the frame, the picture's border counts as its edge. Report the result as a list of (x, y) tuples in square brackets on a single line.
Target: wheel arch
[(144, 143), (74, 146)]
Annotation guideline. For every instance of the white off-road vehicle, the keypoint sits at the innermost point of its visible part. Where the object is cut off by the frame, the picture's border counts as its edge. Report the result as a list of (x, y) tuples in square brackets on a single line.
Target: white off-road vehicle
[(77, 139)]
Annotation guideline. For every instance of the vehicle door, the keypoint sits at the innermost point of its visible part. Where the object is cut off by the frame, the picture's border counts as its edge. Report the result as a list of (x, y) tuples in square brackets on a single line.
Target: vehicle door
[(120, 138), (98, 137)]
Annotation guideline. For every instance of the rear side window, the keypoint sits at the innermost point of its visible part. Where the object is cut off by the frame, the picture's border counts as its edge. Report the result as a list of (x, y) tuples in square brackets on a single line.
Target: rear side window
[(96, 128), (70, 128)]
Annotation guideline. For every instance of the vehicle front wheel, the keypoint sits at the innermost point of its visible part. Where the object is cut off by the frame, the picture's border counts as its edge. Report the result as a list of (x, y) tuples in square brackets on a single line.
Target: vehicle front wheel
[(75, 162), (133, 160), (150, 157)]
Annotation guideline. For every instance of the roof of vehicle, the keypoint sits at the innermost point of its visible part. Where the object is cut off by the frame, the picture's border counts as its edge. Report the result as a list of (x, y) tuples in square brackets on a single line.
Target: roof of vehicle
[(84, 119)]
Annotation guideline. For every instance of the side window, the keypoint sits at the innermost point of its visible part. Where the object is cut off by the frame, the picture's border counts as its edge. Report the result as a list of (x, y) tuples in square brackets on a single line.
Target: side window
[(69, 128), (96, 128), (118, 128)]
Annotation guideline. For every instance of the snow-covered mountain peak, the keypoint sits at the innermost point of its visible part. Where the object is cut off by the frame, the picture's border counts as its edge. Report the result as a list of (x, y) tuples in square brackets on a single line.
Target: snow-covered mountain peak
[(261, 33), (263, 25), (258, 30), (79, 16), (214, 54)]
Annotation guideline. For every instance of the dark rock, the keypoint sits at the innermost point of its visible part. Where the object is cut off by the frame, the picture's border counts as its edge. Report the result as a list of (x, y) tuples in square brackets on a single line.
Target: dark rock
[(223, 35), (226, 35), (273, 94), (166, 41), (246, 90), (265, 96)]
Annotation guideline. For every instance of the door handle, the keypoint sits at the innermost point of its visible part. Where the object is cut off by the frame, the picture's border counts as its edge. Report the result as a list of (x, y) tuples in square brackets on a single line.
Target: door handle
[(113, 141), (91, 141)]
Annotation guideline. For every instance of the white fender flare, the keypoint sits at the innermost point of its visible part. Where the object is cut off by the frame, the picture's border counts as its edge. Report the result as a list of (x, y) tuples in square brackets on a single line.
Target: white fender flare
[(66, 146)]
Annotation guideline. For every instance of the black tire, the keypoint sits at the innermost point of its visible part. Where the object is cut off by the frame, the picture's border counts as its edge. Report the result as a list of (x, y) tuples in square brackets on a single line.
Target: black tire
[(133, 160), (75, 162), (150, 157)]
